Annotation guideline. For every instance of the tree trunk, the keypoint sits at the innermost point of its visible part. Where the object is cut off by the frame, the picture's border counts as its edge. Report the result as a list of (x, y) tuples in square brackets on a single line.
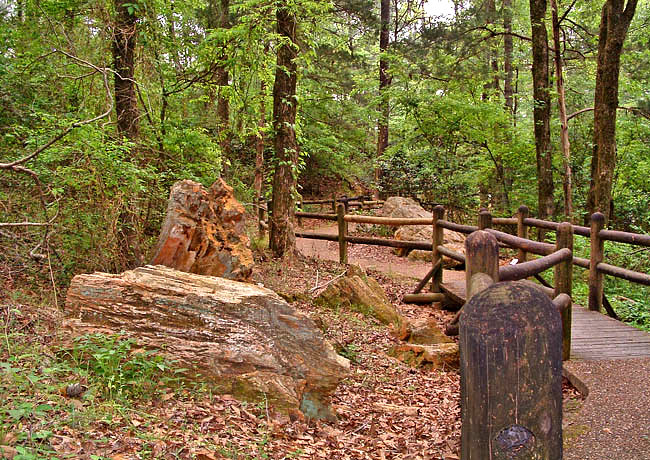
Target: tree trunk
[(126, 108), (281, 237), (259, 153), (542, 109), (126, 102), (219, 18), (508, 91), (559, 81), (384, 83), (615, 20)]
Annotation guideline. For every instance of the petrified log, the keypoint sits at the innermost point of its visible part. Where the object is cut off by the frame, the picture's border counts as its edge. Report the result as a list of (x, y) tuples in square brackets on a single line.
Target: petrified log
[(244, 339), (511, 375), (203, 232)]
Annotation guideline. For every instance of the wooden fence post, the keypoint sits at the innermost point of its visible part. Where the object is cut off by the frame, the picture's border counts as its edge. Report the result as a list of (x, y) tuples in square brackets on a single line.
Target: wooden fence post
[(334, 205), (437, 239), (596, 257), (563, 280), (511, 375), (343, 233), (522, 230), (481, 256), (484, 219)]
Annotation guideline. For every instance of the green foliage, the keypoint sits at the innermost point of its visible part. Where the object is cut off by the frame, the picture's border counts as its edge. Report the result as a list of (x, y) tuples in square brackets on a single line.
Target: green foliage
[(115, 370), (349, 351)]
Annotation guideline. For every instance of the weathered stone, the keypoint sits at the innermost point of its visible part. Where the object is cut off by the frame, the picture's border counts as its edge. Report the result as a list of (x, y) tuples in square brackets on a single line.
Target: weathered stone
[(426, 332), (244, 339), (203, 232), (428, 357), (361, 293), (420, 255), (408, 208), (398, 206)]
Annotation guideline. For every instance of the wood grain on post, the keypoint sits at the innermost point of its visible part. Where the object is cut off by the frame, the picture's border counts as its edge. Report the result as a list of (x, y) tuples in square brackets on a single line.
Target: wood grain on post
[(343, 233), (511, 375), (481, 256), (596, 257), (437, 240), (522, 230), (563, 281), (479, 282), (484, 219)]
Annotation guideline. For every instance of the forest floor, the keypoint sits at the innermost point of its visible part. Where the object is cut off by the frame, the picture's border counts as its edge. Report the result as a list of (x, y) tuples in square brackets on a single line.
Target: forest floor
[(131, 410)]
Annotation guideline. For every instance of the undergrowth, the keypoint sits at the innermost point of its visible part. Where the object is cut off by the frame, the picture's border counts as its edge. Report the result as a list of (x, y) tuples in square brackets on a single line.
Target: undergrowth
[(35, 377), (630, 301)]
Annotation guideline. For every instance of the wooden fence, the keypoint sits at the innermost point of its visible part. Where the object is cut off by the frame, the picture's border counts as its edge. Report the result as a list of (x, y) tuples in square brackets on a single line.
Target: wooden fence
[(558, 256)]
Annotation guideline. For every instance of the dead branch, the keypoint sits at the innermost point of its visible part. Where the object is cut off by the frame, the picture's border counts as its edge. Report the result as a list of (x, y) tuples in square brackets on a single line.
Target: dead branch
[(17, 165), (635, 110)]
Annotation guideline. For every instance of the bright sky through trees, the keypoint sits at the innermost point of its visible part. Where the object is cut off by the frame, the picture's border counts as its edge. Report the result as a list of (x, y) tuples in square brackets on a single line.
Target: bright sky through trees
[(440, 8)]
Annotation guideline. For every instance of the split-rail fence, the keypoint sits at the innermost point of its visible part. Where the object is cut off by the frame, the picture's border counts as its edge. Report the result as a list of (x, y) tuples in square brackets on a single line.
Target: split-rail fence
[(595, 335)]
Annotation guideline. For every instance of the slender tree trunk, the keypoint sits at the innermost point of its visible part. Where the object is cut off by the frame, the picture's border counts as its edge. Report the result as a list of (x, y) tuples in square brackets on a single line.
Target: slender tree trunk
[(259, 151), (615, 21), (128, 124), (564, 139), (508, 91), (542, 109), (126, 101), (281, 236), (384, 83), (219, 17)]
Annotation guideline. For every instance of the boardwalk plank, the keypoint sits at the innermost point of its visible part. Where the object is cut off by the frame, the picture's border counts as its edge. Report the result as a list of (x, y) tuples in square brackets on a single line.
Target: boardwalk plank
[(594, 336)]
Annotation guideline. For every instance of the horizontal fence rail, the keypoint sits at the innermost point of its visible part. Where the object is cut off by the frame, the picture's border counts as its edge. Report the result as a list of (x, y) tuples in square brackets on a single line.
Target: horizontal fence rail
[(552, 255), (533, 267)]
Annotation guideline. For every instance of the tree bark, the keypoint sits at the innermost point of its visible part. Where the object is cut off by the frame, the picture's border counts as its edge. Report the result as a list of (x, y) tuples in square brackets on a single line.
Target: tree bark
[(384, 83), (561, 102), (615, 21), (259, 152), (219, 18), (126, 109), (508, 91), (126, 102), (542, 109), (281, 236)]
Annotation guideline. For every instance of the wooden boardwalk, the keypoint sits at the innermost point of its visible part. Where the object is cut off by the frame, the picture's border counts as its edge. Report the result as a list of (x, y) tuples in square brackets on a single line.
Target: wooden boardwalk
[(594, 336)]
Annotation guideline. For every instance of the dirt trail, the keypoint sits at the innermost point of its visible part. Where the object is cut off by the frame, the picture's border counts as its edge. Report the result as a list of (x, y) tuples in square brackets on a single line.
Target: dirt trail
[(370, 257)]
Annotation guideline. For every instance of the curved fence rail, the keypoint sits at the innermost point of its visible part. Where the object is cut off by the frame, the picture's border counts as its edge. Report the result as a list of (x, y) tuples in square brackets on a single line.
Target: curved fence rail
[(558, 255)]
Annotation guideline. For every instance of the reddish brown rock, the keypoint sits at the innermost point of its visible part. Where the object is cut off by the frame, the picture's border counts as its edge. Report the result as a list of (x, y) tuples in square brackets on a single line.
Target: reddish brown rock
[(244, 339), (203, 232), (428, 357)]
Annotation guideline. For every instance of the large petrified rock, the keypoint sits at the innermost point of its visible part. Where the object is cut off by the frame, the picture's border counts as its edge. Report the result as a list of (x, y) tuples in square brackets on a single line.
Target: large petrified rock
[(245, 339), (361, 293), (203, 232), (397, 206)]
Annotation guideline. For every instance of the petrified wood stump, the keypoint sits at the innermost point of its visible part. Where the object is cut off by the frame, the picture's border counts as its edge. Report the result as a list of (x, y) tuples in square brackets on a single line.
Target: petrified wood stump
[(203, 232), (511, 375), (243, 339)]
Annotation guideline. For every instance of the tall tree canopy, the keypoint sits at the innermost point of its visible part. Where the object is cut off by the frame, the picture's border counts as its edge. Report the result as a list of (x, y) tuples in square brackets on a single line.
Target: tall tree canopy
[(106, 104)]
